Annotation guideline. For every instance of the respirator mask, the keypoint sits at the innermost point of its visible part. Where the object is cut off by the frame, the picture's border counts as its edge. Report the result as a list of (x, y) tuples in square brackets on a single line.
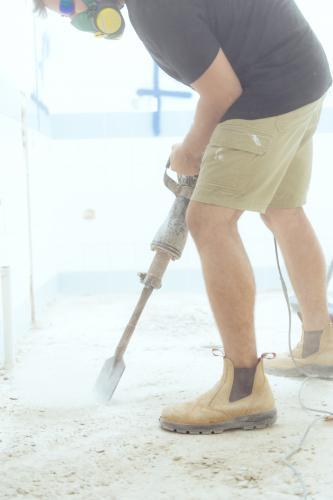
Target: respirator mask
[(102, 17)]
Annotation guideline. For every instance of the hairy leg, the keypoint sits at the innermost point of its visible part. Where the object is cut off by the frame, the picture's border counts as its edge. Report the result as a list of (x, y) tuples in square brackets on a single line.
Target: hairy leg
[(305, 263), (228, 277)]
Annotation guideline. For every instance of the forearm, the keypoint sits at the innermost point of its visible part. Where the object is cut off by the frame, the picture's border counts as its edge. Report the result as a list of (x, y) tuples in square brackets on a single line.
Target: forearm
[(208, 114), (219, 87)]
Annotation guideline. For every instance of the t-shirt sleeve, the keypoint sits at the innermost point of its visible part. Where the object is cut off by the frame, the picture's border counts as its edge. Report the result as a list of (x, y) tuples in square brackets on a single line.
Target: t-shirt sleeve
[(177, 35)]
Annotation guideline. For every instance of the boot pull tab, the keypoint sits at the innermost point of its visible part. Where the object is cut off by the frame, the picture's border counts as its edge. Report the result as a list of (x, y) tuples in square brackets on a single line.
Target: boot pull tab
[(268, 355), (218, 351)]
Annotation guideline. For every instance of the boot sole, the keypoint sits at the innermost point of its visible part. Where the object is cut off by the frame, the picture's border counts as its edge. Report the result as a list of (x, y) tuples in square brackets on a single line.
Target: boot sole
[(247, 422), (321, 371)]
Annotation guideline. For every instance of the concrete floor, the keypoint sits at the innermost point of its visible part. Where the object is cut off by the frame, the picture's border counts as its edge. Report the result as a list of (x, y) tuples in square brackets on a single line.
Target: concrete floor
[(56, 442)]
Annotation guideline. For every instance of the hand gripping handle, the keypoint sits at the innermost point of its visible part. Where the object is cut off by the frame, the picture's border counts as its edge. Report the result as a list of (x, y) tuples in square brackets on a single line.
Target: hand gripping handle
[(184, 186)]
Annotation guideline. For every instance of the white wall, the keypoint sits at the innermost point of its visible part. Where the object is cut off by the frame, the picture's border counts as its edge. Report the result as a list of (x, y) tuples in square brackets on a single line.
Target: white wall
[(19, 180), (16, 81), (15, 75), (122, 181), (13, 215)]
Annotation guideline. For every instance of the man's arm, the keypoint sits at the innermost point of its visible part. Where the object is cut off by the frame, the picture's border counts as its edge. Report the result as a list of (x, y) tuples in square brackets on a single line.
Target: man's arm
[(219, 87)]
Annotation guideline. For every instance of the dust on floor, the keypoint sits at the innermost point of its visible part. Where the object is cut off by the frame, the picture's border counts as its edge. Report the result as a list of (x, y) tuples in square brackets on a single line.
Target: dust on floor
[(56, 442)]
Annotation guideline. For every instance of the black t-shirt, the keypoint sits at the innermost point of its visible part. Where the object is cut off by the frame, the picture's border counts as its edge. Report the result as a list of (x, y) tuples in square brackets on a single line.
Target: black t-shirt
[(271, 47)]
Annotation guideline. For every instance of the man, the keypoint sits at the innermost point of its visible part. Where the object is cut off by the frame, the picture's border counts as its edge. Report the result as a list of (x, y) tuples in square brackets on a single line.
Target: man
[(261, 75)]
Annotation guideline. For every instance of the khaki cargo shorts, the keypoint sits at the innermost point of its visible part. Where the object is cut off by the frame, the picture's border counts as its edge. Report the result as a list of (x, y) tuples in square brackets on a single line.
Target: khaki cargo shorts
[(257, 164)]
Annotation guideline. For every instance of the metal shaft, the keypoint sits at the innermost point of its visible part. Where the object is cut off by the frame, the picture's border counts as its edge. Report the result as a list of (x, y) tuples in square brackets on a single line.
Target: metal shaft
[(126, 336), (151, 281)]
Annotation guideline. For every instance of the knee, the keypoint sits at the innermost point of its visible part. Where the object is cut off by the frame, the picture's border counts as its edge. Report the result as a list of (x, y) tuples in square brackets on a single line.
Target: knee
[(195, 220), (202, 219), (265, 218), (275, 217)]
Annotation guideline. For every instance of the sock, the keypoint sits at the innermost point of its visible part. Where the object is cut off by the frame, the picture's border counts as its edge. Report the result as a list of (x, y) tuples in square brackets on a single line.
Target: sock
[(311, 342), (243, 383)]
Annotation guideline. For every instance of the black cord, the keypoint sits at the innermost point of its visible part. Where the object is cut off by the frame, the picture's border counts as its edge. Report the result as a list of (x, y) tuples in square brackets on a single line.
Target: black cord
[(307, 378)]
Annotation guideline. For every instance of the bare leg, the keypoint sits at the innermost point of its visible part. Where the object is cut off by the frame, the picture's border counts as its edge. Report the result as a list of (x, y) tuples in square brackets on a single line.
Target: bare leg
[(228, 277), (305, 263)]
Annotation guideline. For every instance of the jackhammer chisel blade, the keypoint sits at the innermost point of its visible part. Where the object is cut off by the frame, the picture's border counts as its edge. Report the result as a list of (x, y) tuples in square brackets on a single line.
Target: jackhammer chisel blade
[(108, 378)]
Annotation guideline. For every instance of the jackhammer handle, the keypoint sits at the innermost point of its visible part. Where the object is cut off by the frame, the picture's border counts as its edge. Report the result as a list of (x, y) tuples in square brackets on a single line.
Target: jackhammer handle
[(183, 180)]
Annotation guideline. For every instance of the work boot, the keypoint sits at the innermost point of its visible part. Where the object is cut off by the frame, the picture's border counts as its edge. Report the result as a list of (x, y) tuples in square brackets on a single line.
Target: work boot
[(241, 399), (313, 353)]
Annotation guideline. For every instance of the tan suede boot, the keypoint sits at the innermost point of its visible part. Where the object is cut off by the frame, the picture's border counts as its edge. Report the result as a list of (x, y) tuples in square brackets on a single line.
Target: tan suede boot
[(223, 407), (318, 363)]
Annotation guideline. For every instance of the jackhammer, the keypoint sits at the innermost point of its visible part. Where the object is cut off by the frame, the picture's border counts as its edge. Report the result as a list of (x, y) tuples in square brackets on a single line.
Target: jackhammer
[(168, 244)]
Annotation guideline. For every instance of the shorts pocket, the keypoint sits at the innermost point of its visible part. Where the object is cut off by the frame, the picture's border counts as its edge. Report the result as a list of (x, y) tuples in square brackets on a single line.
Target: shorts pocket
[(230, 157), (237, 138)]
